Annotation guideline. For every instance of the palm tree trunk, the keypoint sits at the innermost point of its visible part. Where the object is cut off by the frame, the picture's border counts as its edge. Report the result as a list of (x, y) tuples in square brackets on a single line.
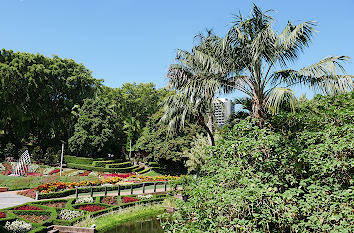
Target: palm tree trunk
[(258, 111), (208, 127)]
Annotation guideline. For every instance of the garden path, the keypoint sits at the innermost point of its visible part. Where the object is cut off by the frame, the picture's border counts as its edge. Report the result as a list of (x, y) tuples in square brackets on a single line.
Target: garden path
[(10, 198)]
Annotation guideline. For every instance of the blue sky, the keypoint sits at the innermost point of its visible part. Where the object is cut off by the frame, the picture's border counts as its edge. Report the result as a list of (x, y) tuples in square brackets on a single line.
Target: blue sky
[(135, 41)]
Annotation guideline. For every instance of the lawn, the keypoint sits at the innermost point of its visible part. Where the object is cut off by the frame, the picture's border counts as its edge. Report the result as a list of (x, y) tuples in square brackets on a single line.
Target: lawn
[(29, 182)]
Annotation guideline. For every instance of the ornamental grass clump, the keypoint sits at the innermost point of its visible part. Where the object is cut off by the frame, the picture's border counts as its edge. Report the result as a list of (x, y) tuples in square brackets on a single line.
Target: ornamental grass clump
[(67, 215), (84, 200), (18, 226)]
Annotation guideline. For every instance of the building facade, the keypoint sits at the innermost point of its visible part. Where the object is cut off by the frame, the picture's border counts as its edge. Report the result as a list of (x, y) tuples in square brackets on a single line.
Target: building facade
[(222, 110)]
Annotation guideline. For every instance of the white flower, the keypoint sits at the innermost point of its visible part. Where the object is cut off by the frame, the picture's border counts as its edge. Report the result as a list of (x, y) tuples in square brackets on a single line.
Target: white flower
[(18, 226), (67, 215), (84, 200), (149, 196)]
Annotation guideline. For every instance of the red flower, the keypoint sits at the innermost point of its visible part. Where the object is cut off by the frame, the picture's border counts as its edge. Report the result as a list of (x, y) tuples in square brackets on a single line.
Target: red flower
[(129, 199), (118, 175), (92, 208), (27, 207), (86, 173), (2, 215), (54, 171)]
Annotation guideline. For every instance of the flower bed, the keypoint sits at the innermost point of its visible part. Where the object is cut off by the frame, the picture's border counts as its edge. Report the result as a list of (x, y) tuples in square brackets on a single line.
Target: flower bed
[(69, 214), (35, 218), (54, 171), (55, 216), (109, 200), (18, 226), (127, 199), (2, 215), (118, 175), (86, 173), (33, 174), (28, 207), (84, 200), (28, 193), (58, 204), (91, 208)]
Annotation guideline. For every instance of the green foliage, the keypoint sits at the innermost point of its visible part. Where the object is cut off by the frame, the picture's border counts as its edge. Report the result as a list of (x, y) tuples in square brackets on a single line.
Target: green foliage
[(196, 154), (37, 94), (95, 128), (293, 176), (156, 144), (118, 165)]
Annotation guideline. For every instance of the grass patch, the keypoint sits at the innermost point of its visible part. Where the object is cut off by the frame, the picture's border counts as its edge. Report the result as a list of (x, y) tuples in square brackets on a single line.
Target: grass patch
[(112, 219), (29, 182), (153, 173)]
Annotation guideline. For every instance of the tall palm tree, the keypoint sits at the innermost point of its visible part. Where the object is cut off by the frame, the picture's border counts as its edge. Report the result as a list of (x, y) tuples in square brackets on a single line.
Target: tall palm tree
[(197, 78), (252, 49)]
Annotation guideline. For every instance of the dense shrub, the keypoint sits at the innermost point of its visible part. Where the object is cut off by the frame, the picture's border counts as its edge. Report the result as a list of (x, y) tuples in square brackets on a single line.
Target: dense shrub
[(295, 175), (119, 165)]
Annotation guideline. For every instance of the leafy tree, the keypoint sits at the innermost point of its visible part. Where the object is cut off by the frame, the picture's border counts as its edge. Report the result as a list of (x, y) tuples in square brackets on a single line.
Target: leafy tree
[(94, 132), (133, 104), (156, 144), (37, 94), (295, 177)]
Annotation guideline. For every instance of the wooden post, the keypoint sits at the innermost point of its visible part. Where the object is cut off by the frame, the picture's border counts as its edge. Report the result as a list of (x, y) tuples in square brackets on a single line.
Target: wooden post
[(155, 187), (76, 192), (91, 191), (105, 190), (131, 189), (165, 186), (119, 190), (143, 187)]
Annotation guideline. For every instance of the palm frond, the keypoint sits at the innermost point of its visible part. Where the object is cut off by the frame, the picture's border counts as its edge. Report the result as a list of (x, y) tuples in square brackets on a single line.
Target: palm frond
[(278, 96), (292, 40), (322, 76)]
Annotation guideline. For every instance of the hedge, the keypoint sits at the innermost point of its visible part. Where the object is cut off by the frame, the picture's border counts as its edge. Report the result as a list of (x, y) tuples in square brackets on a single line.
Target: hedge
[(81, 160), (69, 192), (53, 212), (138, 169), (144, 171), (101, 169), (119, 165), (103, 163)]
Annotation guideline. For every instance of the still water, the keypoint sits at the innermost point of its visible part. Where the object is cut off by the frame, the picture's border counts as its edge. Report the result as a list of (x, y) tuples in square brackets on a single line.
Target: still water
[(147, 226)]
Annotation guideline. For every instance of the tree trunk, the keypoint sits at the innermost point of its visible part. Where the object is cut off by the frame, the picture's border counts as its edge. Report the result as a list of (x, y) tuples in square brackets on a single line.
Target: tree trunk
[(208, 127), (258, 111)]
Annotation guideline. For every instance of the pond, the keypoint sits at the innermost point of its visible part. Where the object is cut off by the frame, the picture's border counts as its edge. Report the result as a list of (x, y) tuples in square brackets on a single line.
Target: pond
[(145, 226)]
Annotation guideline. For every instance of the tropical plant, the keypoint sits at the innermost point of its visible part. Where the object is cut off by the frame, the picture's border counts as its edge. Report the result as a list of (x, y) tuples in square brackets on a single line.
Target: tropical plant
[(295, 177), (197, 78), (252, 49)]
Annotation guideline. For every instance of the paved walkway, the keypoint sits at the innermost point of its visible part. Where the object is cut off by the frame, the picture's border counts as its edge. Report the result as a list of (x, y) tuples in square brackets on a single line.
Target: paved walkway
[(8, 199)]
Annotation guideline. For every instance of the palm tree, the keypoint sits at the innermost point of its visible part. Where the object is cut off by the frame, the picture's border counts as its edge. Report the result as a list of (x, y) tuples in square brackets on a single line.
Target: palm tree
[(252, 49), (197, 78)]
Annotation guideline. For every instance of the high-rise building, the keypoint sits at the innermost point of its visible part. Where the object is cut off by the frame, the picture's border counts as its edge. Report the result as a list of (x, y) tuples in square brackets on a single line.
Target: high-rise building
[(222, 110)]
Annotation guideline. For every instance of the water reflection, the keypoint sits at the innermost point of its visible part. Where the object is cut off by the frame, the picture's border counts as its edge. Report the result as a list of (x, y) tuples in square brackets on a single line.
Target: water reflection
[(147, 226)]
